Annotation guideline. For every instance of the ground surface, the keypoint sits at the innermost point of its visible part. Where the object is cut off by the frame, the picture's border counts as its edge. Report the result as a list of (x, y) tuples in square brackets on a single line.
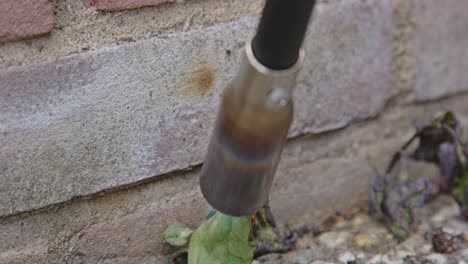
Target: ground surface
[(357, 237)]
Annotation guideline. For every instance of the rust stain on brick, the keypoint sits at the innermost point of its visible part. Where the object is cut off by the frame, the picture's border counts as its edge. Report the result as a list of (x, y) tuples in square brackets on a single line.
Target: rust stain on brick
[(202, 79)]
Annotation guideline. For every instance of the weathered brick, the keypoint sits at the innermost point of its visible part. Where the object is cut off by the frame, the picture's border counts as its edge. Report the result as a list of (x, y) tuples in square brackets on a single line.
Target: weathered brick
[(118, 5), (21, 19), (317, 176), (32, 255), (305, 189), (102, 119), (440, 41), (138, 233)]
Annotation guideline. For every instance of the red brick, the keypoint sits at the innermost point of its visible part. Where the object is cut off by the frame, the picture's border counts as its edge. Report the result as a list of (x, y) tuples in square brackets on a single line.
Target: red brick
[(20, 19), (118, 5)]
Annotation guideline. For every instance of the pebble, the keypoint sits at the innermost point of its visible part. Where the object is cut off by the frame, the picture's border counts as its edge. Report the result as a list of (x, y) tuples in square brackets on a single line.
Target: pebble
[(437, 258), (404, 254), (426, 248), (361, 255), (450, 231), (441, 216), (438, 219), (333, 239), (377, 259), (384, 259), (464, 253), (365, 241), (340, 224), (359, 220), (346, 257)]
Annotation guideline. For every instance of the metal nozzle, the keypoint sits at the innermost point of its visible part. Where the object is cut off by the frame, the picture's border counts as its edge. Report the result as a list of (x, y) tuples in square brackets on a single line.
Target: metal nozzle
[(250, 130)]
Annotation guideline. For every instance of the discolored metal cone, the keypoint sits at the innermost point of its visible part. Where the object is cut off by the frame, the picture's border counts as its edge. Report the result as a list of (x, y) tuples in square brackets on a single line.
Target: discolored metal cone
[(246, 143)]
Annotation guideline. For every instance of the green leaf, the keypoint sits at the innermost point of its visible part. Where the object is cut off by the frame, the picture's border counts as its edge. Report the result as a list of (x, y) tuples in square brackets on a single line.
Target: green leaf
[(398, 231), (222, 239), (177, 235)]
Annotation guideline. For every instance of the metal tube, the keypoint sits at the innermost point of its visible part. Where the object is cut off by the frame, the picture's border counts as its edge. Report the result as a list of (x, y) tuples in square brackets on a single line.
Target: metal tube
[(250, 130)]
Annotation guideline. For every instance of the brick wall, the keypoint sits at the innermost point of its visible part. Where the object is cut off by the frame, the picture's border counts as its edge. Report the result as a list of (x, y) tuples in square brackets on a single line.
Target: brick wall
[(105, 113)]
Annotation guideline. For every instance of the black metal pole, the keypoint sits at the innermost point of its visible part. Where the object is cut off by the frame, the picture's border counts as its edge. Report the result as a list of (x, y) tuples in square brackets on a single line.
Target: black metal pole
[(281, 32)]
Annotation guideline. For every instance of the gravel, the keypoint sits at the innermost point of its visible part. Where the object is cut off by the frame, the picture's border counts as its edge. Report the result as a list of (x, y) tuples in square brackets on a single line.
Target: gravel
[(362, 238)]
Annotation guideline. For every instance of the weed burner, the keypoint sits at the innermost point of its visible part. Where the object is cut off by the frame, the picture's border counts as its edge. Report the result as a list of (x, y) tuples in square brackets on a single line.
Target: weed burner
[(256, 112)]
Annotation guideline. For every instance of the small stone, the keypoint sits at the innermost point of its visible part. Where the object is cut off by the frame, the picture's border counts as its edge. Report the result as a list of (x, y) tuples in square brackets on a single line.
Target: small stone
[(321, 262), (365, 241), (411, 260), (465, 253), (465, 237), (340, 222), (443, 214), (450, 231), (426, 248), (437, 258), (405, 254), (385, 259), (333, 239), (438, 219), (359, 220), (360, 255), (377, 259), (347, 258)]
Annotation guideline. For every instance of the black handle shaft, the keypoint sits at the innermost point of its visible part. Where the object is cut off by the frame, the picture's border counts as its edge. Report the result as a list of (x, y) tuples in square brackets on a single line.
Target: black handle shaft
[(281, 31)]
